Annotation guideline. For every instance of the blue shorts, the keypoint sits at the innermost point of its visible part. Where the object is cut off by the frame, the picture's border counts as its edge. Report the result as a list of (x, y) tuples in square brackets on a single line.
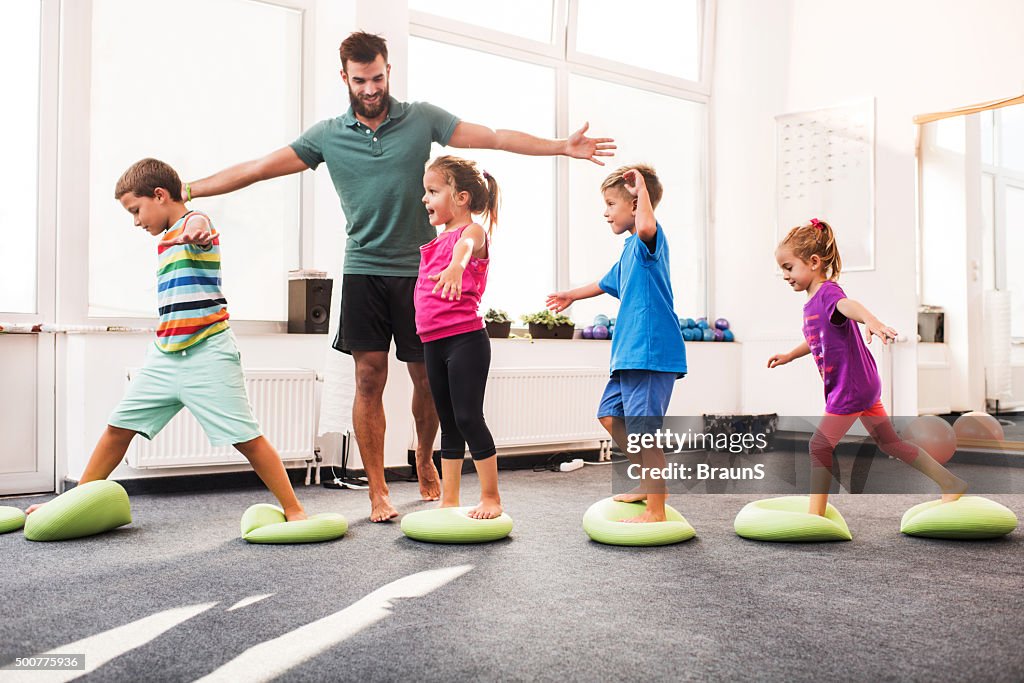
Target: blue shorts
[(638, 394), (205, 378)]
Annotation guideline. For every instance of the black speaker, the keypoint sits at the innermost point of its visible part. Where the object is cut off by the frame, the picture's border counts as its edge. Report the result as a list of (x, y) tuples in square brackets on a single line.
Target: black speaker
[(309, 306)]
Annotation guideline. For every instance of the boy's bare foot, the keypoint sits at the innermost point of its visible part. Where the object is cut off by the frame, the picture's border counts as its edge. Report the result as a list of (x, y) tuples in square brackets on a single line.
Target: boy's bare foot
[(630, 497), (430, 483), (954, 491), (33, 508), (381, 509), (487, 509), (648, 516), (295, 515)]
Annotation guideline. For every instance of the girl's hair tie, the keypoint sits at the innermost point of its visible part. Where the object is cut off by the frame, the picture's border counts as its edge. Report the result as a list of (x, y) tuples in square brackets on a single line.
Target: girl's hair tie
[(817, 224), (487, 176)]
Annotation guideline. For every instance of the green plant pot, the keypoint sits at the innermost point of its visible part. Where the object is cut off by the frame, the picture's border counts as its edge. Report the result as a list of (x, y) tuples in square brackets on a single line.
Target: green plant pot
[(499, 330), (556, 332)]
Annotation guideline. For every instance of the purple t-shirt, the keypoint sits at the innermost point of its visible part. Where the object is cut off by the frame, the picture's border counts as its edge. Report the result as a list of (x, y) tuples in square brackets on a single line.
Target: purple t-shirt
[(846, 366)]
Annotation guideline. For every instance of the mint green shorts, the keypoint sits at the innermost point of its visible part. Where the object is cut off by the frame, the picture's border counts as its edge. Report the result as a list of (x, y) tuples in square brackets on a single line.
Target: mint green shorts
[(206, 378)]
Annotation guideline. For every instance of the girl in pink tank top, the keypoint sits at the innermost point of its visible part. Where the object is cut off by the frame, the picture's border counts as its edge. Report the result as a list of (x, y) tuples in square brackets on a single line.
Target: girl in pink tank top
[(810, 262), (456, 350)]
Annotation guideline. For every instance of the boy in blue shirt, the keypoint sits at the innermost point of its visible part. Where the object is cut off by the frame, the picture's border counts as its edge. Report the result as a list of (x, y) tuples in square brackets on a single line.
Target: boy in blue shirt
[(648, 355)]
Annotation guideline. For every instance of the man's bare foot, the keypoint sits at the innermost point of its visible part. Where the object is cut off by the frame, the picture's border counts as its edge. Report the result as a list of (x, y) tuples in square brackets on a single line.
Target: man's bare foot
[(430, 483), (646, 517), (630, 497), (487, 509), (381, 509), (33, 508), (954, 490), (295, 515)]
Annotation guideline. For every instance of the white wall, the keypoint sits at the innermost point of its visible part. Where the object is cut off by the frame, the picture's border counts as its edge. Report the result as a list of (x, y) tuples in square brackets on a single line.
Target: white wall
[(777, 56)]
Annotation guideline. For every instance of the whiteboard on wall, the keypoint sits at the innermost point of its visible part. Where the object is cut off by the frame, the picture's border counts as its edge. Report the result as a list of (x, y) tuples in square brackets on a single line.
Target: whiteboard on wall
[(825, 169)]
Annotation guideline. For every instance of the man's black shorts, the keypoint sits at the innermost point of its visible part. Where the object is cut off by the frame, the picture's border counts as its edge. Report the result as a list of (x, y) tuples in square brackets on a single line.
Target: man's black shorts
[(374, 309)]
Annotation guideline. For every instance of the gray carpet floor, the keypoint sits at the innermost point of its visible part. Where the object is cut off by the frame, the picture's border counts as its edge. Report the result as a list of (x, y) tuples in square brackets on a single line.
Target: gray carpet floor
[(546, 604)]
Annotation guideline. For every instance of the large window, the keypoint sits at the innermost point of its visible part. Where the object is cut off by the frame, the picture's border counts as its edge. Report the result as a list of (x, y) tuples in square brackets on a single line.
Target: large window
[(522, 238), (651, 97), (530, 19), (200, 95), (19, 172), (671, 139), (654, 35)]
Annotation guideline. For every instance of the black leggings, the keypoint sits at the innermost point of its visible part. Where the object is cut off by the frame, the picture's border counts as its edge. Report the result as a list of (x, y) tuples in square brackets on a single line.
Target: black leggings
[(457, 369)]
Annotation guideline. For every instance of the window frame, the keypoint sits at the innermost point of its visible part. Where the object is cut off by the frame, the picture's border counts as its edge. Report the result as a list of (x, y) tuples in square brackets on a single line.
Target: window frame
[(561, 55)]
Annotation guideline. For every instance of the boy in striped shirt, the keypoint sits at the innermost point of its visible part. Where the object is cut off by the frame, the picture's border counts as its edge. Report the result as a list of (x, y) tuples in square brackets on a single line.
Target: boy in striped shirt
[(194, 362)]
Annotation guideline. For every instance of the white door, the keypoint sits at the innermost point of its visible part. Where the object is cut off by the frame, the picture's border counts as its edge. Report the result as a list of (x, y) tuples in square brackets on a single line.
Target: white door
[(28, 234)]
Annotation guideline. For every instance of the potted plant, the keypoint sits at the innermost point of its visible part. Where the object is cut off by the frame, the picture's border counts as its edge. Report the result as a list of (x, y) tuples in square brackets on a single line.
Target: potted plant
[(498, 324), (547, 325)]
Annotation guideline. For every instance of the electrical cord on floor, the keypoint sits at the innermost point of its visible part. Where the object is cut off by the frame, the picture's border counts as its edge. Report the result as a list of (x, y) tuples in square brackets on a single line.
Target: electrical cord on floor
[(552, 463), (336, 482)]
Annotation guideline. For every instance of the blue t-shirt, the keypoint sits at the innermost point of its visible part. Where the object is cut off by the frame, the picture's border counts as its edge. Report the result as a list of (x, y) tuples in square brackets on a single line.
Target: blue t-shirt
[(647, 335), (378, 175)]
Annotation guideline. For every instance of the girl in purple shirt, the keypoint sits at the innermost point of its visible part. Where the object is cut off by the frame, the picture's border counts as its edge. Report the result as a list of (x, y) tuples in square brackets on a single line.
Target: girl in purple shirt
[(810, 262)]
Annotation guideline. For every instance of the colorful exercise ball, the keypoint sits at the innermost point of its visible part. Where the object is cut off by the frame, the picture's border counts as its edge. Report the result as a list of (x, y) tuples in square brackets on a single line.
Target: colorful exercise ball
[(934, 435), (602, 320), (978, 426), (727, 335), (709, 335), (719, 335), (690, 322), (702, 324), (588, 332), (721, 324), (600, 332)]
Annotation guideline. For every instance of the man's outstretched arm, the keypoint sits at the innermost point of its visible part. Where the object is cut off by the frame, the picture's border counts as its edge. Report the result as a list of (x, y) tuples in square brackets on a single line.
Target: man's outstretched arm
[(473, 135), (278, 163)]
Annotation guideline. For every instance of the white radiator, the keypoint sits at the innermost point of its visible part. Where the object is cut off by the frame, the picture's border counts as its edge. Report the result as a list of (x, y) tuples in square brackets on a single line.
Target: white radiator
[(532, 406), (283, 402)]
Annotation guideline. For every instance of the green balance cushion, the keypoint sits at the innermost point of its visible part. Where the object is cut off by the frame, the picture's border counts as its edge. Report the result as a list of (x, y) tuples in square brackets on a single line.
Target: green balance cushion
[(87, 509), (969, 517), (263, 523), (786, 519), (452, 525), (603, 523), (11, 519)]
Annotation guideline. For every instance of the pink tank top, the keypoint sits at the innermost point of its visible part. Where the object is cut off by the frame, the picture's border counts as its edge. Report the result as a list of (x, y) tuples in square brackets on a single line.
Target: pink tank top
[(437, 318)]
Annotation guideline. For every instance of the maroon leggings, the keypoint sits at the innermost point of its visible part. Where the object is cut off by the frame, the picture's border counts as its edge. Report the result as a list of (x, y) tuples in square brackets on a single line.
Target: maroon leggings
[(875, 420)]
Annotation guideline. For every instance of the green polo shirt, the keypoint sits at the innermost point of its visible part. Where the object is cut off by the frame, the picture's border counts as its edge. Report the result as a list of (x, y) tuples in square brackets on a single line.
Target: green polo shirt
[(378, 176)]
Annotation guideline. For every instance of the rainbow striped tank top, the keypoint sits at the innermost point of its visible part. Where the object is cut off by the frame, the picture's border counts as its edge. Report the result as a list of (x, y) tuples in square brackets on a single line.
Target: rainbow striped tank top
[(192, 307)]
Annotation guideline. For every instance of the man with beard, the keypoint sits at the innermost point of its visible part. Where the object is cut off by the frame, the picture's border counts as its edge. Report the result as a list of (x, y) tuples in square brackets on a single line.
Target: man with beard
[(375, 153)]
